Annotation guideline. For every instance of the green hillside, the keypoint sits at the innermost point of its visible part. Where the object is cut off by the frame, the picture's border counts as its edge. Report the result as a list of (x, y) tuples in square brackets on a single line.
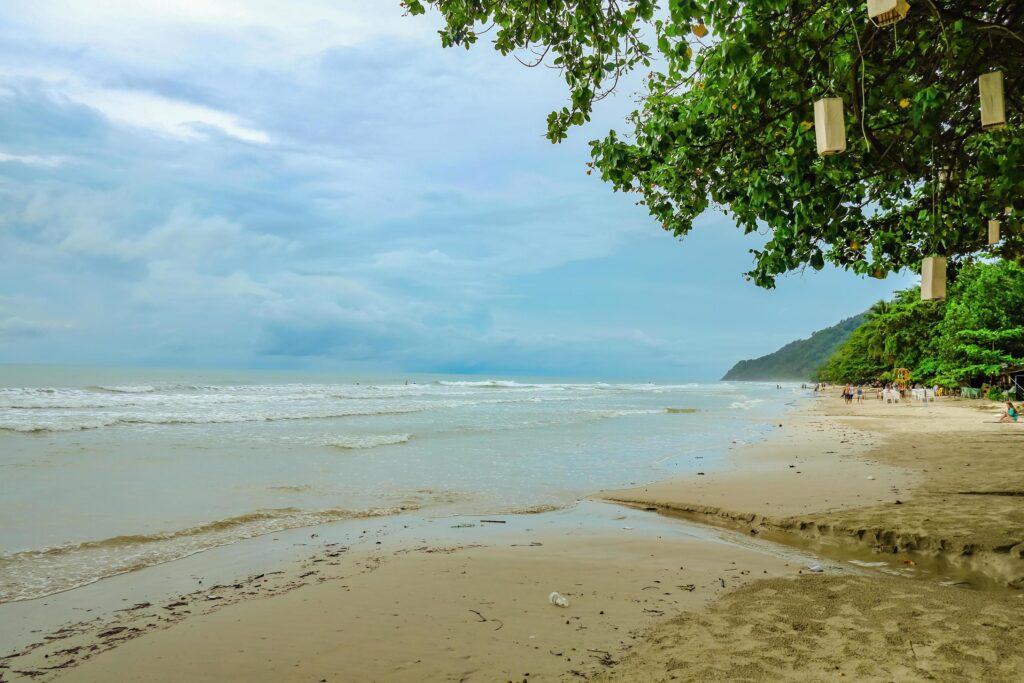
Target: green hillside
[(796, 360)]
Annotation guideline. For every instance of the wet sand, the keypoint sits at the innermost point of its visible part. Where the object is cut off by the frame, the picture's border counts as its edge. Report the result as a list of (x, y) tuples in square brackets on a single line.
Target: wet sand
[(812, 463), (660, 600), (945, 480), (447, 599)]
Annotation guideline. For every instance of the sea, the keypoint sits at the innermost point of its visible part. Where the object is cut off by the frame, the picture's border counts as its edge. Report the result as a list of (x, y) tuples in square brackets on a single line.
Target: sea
[(107, 471)]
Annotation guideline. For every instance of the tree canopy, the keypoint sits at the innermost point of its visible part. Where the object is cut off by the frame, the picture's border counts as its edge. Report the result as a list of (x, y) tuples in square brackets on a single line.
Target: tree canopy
[(727, 120), (968, 339)]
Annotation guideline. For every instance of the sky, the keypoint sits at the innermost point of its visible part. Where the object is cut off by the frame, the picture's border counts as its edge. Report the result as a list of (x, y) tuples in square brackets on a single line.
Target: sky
[(319, 185)]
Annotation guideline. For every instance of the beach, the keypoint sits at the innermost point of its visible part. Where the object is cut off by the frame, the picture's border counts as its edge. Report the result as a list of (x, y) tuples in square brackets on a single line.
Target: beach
[(871, 541)]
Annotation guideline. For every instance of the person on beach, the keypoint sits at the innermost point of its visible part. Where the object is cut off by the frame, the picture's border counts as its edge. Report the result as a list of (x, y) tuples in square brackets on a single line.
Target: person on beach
[(1010, 414), (860, 395)]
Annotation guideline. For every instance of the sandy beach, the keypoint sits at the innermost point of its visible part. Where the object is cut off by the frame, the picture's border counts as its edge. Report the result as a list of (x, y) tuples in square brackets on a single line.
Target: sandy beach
[(913, 515), (944, 492)]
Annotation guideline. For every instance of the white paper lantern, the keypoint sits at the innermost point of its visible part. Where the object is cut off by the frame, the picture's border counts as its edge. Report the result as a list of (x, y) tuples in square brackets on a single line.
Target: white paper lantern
[(993, 231), (993, 105), (933, 278), (830, 126), (887, 12)]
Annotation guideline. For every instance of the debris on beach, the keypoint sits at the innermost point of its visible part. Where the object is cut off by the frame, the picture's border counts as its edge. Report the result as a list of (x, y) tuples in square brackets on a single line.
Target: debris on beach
[(138, 605), (816, 568), (558, 599)]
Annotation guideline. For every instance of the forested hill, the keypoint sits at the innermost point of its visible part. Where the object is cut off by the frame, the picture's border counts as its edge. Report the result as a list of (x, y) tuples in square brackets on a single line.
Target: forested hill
[(796, 360)]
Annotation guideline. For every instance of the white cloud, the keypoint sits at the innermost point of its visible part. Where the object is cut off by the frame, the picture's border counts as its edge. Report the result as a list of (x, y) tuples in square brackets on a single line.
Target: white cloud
[(163, 115), (16, 326), (137, 108), (268, 32), (32, 160), (183, 237)]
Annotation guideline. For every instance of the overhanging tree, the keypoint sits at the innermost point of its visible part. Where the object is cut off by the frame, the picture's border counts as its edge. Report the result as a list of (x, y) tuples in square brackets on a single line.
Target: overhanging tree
[(727, 117)]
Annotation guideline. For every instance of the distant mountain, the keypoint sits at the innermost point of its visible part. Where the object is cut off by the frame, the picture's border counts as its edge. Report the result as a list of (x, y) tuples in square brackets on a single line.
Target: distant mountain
[(796, 360)]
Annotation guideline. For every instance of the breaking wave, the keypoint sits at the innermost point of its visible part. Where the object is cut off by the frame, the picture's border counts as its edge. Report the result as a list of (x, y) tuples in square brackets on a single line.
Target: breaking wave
[(745, 404), (363, 441)]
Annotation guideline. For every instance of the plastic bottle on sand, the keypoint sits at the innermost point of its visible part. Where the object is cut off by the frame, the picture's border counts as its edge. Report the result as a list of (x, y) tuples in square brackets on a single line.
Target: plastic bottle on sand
[(558, 599)]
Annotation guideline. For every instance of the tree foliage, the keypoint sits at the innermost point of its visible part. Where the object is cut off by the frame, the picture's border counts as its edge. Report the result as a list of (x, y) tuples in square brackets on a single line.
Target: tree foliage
[(895, 334), (983, 326), (968, 339), (727, 117)]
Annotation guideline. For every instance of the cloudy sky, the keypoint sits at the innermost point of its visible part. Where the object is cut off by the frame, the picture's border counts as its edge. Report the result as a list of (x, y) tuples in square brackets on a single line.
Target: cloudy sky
[(318, 184)]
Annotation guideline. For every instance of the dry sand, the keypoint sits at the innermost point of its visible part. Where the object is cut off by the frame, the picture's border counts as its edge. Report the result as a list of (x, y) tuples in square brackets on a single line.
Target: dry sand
[(824, 628), (914, 485), (966, 511)]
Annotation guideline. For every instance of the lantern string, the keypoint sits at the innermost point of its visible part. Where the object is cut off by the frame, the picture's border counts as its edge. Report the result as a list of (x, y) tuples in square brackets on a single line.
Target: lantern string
[(863, 93), (935, 195), (942, 24)]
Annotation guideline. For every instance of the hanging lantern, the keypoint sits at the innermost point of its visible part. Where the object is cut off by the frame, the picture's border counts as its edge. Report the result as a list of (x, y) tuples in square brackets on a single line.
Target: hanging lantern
[(933, 278), (993, 106), (993, 231), (830, 126), (887, 12)]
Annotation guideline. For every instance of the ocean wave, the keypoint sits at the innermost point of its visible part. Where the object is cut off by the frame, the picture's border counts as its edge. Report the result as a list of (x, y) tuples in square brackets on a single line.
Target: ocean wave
[(364, 441), (53, 419), (125, 389), (627, 412), (33, 574), (39, 411), (498, 384), (745, 404), (579, 386), (36, 429), (69, 424)]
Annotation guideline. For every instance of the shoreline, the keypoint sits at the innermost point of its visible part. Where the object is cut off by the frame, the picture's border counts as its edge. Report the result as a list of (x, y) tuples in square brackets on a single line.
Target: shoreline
[(874, 499), (766, 488)]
